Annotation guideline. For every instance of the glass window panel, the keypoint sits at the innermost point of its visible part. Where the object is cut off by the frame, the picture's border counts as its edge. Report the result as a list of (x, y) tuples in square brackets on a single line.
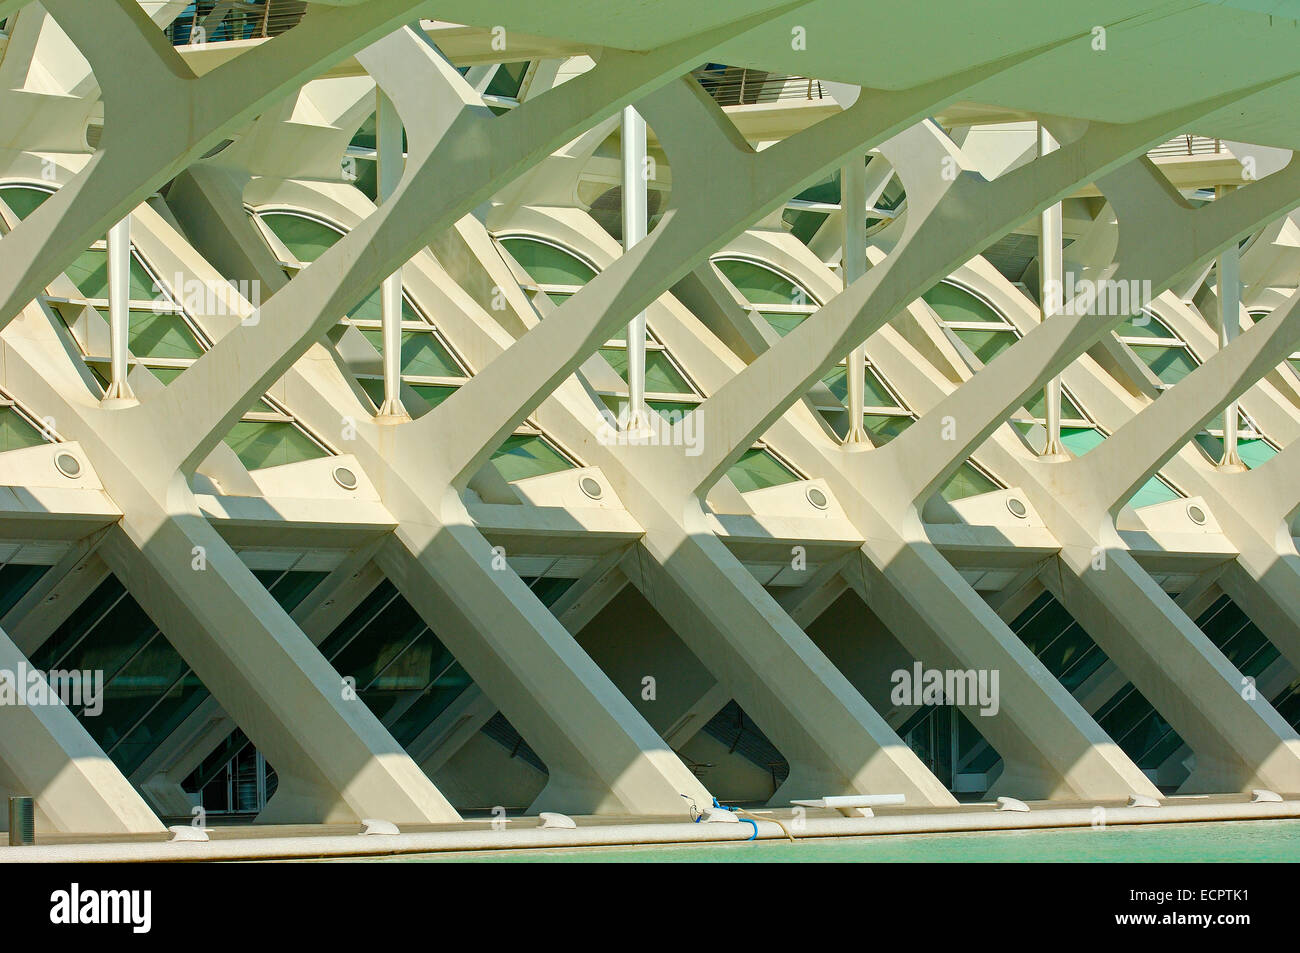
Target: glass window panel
[(444, 690), (783, 324), (433, 394), (1170, 364), (379, 643), (371, 308), (664, 407), (885, 427), (547, 264), (261, 444), (134, 690), (827, 190), (90, 274), (306, 238), (164, 374), (527, 455), (951, 303), (1079, 440), (422, 353), (15, 432), (23, 200), (759, 285), (803, 223), (967, 481), (661, 377), (507, 80), (986, 345), (161, 335), (1255, 452), (172, 708), (1037, 406), (16, 580), (1143, 326), (757, 469), (1154, 490)]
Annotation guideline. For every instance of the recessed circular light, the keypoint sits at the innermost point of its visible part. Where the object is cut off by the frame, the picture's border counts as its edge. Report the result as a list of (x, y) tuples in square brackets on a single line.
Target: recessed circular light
[(1017, 507), (591, 488), (68, 465), (345, 478), (817, 498), (1196, 514)]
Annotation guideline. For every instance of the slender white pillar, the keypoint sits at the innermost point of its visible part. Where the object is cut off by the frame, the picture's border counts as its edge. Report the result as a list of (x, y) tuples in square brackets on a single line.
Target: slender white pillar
[(119, 314), (853, 209), (1229, 327), (635, 225), (1051, 277), (390, 160)]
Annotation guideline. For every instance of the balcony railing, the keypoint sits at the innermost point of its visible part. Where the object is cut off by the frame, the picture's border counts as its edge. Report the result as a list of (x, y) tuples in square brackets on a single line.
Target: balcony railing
[(1188, 146), (734, 85), (221, 21)]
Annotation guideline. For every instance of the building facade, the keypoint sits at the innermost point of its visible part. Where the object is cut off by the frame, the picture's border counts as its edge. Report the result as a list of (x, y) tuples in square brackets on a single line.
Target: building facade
[(407, 417)]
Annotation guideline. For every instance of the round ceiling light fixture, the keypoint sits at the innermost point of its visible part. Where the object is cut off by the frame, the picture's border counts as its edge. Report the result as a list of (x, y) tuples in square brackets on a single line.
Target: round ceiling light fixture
[(1196, 514), (1017, 507), (817, 498), (591, 488), (345, 478), (68, 465)]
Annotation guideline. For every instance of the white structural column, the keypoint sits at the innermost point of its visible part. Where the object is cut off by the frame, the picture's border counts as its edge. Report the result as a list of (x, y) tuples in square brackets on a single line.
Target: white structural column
[(853, 209), (1051, 292), (1229, 325), (390, 161), (635, 226), (119, 314)]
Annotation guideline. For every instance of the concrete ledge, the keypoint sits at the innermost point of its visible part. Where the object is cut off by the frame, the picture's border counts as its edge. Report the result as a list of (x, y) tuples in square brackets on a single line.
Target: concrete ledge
[(612, 835)]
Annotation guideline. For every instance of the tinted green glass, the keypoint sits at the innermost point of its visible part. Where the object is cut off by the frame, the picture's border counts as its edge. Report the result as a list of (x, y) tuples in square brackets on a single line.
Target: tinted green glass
[(986, 345), (1170, 364), (759, 285), (371, 308), (661, 377), (527, 455), (166, 374), (15, 432), (306, 238), (758, 469), (1143, 326), (967, 481), (803, 223), (885, 427), (90, 274), (1037, 407), (507, 80), (433, 394), (23, 200), (547, 264), (783, 323), (161, 335), (261, 444), (422, 353), (956, 304)]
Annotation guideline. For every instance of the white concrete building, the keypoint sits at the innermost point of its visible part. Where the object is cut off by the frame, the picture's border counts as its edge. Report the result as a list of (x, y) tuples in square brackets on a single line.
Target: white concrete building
[(416, 408)]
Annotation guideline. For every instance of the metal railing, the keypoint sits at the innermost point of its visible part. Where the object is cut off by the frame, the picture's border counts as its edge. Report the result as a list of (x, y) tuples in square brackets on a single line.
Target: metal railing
[(221, 21), (1188, 146), (735, 85)]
